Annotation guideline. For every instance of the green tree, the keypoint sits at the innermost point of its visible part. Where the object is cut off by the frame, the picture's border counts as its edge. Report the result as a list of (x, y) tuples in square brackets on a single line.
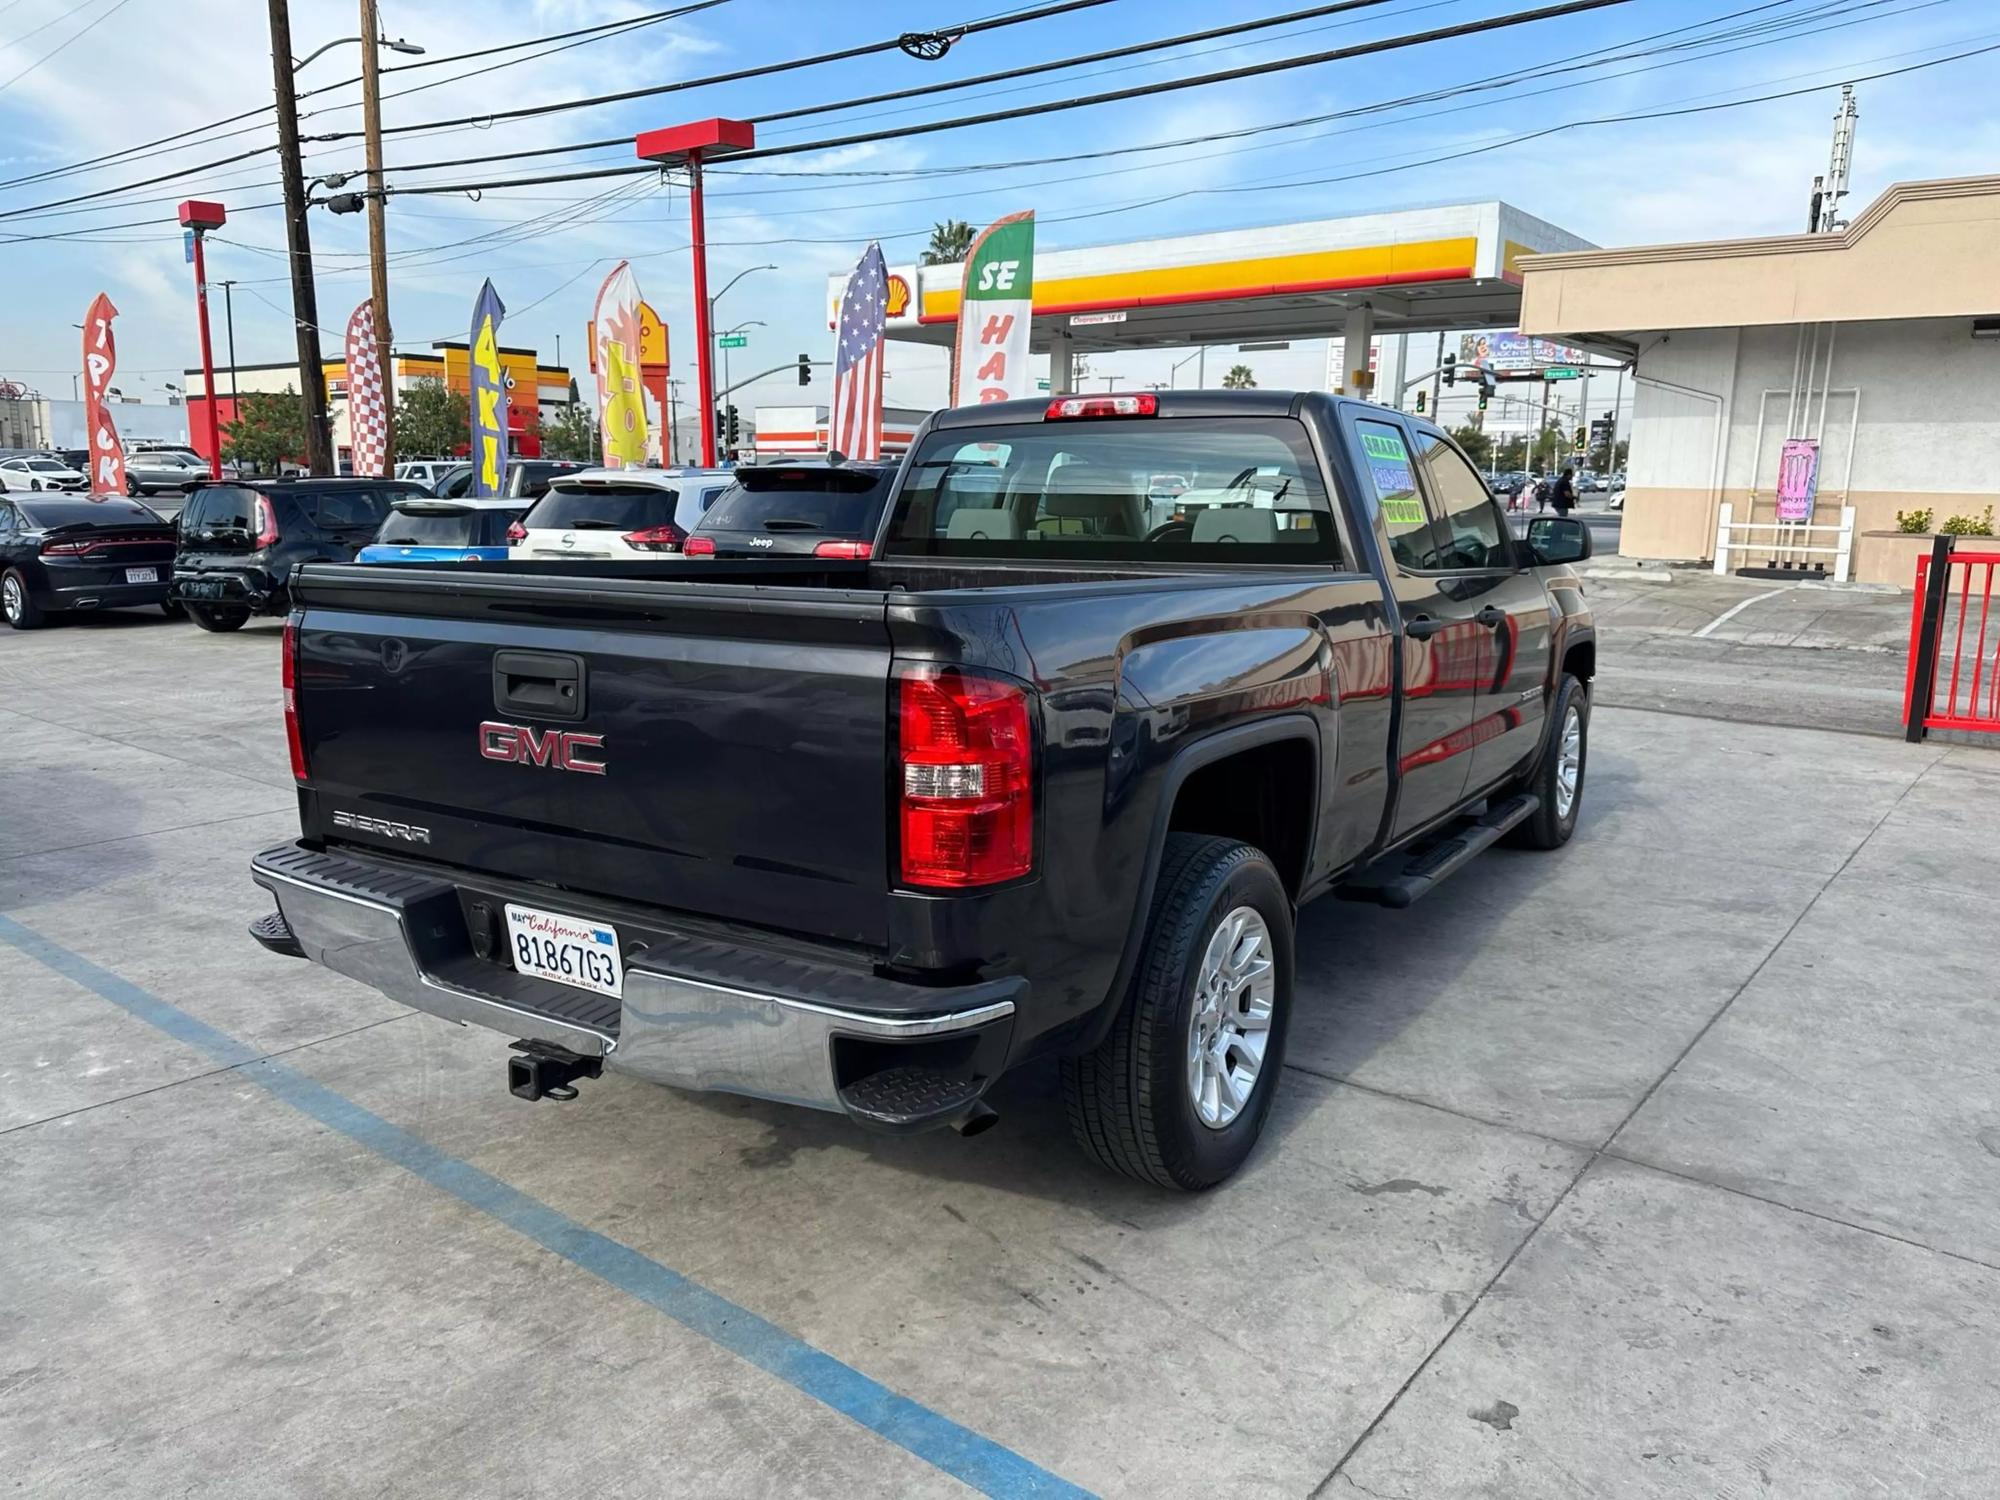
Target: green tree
[(432, 421), (270, 428), (1477, 445), (950, 242), (1239, 378), (571, 435)]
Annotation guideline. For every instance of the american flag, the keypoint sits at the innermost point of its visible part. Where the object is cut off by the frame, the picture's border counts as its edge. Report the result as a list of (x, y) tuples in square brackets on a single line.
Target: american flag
[(856, 428)]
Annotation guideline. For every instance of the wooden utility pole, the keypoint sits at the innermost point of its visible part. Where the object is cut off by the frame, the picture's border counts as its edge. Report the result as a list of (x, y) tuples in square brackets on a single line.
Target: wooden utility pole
[(378, 250), (298, 241)]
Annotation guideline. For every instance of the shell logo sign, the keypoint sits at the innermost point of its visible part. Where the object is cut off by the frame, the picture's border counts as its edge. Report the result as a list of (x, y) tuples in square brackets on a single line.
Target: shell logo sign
[(899, 296)]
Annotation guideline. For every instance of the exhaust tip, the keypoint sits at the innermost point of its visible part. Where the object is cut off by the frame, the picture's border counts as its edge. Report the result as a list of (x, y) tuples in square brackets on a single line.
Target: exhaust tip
[(977, 1120)]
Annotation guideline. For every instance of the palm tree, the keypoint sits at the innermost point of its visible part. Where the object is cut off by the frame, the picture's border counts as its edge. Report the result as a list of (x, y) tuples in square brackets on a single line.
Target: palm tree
[(949, 243), (1239, 378)]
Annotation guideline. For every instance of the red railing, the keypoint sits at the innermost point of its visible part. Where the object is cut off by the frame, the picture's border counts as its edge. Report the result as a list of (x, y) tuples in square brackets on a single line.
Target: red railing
[(1953, 679)]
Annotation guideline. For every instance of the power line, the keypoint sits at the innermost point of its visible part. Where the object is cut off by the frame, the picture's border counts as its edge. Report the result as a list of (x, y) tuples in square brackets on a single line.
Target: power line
[(1053, 106), (623, 142), (64, 45), (603, 31), (762, 70), (1053, 65)]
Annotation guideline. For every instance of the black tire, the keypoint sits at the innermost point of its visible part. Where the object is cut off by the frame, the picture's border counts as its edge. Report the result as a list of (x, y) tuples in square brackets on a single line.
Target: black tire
[(211, 617), (1129, 1101), (1550, 828), (17, 602), (133, 487), (173, 609)]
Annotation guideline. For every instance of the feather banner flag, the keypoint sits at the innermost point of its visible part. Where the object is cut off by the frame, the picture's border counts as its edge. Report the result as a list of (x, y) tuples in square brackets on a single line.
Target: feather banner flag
[(621, 398)]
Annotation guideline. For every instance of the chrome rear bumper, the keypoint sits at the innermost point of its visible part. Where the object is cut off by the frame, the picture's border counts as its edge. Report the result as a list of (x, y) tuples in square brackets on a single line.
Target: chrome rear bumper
[(695, 1014)]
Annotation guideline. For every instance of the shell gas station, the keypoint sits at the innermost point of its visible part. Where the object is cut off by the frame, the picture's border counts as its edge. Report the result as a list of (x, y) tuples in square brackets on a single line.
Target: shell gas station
[(1360, 278)]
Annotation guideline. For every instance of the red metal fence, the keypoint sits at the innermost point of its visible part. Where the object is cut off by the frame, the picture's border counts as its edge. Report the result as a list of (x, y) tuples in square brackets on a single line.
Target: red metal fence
[(1953, 680)]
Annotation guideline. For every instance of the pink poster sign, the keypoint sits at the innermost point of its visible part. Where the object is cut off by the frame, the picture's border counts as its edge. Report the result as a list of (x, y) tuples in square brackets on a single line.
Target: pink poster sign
[(1798, 479)]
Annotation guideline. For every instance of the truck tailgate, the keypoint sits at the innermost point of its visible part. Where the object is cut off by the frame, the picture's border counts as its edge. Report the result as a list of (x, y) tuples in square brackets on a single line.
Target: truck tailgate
[(729, 740)]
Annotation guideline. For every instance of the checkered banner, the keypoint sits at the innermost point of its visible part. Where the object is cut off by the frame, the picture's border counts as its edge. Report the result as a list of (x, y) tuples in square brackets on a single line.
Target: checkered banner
[(367, 416)]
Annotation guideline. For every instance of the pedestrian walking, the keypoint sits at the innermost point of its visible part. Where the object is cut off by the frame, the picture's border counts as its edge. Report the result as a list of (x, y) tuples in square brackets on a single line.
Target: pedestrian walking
[(1563, 495), (1541, 495)]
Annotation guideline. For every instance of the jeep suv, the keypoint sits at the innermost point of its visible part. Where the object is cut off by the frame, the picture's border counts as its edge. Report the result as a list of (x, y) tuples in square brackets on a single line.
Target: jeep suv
[(240, 539)]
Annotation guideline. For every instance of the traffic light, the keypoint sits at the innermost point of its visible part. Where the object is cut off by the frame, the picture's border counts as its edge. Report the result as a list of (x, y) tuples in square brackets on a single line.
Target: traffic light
[(1582, 438), (805, 369), (1451, 369), (1420, 401), (1487, 381), (732, 428)]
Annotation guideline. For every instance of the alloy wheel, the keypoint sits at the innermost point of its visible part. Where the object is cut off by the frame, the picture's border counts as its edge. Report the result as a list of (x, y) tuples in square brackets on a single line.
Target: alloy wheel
[(1230, 1024)]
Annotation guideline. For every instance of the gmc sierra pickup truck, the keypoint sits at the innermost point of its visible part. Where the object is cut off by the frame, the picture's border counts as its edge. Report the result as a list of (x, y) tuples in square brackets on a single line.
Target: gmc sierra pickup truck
[(1122, 682)]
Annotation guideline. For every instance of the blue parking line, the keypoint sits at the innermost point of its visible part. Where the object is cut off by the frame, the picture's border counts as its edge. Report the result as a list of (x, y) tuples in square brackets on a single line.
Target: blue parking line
[(978, 1461)]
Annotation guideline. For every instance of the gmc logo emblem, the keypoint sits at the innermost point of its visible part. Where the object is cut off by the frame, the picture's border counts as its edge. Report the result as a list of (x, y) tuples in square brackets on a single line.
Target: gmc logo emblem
[(555, 749)]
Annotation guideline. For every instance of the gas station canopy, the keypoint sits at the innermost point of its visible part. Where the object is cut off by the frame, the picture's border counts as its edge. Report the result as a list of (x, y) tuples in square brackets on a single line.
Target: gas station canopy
[(1409, 271)]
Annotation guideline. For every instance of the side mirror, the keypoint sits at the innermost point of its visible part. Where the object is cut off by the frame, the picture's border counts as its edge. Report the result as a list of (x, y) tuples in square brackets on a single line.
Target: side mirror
[(1558, 539)]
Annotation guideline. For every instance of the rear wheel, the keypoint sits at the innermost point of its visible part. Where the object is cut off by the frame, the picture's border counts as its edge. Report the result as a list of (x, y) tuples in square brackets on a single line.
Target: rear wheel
[(213, 617), (17, 602), (1177, 1094), (132, 486), (173, 609), (1558, 780)]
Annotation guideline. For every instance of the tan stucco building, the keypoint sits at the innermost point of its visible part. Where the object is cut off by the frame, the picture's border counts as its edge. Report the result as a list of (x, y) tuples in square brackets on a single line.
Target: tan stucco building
[(1881, 340)]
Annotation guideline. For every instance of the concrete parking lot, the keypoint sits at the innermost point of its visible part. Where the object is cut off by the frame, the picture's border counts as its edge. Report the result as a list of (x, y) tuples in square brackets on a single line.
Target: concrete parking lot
[(1664, 1165)]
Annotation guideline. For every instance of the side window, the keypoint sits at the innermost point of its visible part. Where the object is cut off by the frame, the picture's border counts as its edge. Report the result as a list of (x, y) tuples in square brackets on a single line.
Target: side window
[(1475, 532), (355, 508), (7, 527), (1392, 489)]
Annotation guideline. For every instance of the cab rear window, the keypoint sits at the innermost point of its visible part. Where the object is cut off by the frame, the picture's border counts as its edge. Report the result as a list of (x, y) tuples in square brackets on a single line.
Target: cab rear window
[(1231, 489)]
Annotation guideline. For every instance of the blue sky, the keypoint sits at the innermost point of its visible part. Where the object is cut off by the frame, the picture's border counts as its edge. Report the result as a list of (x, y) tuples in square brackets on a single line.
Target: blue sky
[(156, 66)]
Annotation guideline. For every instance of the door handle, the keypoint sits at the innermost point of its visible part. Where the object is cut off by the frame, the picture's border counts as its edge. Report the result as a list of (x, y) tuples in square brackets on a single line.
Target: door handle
[(1422, 627), (1492, 616)]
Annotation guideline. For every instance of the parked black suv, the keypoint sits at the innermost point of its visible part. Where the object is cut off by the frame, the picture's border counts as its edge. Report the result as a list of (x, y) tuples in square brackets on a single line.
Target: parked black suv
[(240, 539), (809, 508)]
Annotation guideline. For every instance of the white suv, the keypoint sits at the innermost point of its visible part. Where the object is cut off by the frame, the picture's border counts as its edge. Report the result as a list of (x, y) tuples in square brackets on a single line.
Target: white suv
[(624, 514)]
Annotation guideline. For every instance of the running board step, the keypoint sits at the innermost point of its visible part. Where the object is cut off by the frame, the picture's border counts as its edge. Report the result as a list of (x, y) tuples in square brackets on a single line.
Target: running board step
[(1401, 878)]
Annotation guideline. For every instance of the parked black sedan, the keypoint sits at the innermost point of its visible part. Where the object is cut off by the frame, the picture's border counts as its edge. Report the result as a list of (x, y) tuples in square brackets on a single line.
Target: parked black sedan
[(67, 553)]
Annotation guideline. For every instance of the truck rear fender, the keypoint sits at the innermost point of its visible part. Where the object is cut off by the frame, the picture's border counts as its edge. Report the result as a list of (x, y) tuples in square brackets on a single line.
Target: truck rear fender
[(1260, 736)]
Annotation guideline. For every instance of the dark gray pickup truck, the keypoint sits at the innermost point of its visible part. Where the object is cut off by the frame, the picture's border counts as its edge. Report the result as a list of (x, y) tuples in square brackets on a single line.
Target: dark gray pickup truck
[(1124, 682)]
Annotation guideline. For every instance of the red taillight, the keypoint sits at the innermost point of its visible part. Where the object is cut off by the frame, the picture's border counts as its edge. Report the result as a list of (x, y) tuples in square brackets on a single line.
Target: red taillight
[(290, 679), (656, 539), (267, 524), (516, 533), (66, 549), (845, 549), (968, 795), (1067, 408), (699, 546)]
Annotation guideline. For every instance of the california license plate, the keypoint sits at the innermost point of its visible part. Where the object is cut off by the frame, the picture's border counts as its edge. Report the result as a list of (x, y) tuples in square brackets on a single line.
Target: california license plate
[(568, 950), (142, 575)]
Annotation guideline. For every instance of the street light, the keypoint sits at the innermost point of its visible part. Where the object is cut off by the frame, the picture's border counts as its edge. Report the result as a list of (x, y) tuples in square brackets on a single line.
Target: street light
[(378, 246), (408, 49), (1200, 354)]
